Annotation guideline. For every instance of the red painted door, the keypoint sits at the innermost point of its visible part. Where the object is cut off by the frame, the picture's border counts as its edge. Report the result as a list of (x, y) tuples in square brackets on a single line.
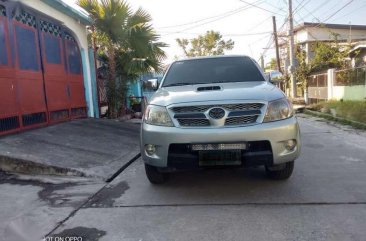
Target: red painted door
[(9, 110), (54, 72), (28, 71), (75, 77)]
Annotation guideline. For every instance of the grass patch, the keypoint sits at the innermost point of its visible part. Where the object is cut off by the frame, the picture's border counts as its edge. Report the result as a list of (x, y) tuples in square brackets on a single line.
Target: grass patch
[(357, 125), (348, 110)]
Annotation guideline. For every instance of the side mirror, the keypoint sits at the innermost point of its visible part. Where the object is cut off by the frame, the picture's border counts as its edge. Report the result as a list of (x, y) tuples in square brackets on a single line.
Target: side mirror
[(151, 84), (276, 77)]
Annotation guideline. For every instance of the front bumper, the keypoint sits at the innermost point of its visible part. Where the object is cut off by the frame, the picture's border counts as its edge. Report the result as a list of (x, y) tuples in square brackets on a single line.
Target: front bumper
[(273, 133)]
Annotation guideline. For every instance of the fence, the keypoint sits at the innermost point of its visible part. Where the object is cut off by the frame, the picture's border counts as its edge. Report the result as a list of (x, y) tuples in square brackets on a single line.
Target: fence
[(347, 84), (318, 87), (350, 77)]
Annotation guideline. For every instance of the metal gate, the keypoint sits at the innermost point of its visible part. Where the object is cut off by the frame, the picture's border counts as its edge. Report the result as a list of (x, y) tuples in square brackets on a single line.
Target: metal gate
[(9, 109), (318, 87), (54, 72), (41, 79), (75, 76)]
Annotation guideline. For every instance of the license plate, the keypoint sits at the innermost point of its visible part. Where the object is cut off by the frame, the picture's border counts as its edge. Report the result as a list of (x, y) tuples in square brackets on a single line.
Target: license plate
[(219, 147), (220, 158)]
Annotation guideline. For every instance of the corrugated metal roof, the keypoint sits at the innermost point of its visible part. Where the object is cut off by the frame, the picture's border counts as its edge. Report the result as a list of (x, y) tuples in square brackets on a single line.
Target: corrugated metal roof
[(329, 25)]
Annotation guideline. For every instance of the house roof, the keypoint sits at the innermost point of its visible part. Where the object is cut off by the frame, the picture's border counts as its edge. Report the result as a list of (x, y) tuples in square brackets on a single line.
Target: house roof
[(71, 9), (329, 25), (360, 45)]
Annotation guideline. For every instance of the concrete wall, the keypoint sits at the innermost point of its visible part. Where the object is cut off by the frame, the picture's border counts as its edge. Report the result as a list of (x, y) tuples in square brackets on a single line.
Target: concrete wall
[(79, 31), (357, 92), (353, 92)]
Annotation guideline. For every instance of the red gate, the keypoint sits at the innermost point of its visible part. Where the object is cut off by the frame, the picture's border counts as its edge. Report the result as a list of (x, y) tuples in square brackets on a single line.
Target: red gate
[(28, 71), (9, 114), (75, 76), (41, 75), (54, 72)]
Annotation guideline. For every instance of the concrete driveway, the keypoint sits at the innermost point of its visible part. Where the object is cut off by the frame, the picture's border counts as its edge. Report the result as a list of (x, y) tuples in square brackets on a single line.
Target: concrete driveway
[(325, 199), (86, 147)]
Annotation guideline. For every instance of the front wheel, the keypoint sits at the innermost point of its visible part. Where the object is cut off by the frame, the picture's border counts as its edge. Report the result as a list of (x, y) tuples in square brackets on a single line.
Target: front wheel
[(280, 172), (154, 175)]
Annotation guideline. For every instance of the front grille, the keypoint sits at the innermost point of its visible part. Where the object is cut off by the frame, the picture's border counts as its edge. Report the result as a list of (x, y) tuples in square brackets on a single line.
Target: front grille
[(241, 120), (229, 107), (193, 122), (237, 114)]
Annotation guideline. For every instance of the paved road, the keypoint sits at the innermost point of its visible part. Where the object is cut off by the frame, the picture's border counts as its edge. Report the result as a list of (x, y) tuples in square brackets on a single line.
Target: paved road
[(324, 200)]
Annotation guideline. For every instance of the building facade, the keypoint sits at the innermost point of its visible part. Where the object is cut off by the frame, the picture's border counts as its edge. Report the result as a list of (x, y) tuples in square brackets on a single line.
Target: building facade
[(307, 34)]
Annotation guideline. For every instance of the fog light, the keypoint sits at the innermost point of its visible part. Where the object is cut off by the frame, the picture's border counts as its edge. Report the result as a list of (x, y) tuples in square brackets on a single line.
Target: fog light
[(290, 144), (150, 149)]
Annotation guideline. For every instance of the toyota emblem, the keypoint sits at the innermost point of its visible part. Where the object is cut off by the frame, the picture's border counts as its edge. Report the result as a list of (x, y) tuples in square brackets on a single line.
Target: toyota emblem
[(216, 113)]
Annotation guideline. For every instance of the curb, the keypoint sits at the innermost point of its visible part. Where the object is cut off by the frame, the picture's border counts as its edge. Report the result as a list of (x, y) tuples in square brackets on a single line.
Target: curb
[(17, 165), (340, 120)]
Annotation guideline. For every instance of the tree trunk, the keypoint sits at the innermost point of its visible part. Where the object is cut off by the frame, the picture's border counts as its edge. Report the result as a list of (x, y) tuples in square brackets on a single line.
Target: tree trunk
[(112, 95)]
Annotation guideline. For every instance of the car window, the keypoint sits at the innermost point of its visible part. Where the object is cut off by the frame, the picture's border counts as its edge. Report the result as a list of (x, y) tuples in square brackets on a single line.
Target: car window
[(213, 70)]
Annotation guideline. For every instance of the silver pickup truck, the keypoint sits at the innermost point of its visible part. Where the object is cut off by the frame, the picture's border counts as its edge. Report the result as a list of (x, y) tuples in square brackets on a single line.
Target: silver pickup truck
[(218, 111)]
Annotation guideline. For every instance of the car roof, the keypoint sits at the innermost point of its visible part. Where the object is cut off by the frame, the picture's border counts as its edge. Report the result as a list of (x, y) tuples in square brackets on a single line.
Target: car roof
[(212, 57)]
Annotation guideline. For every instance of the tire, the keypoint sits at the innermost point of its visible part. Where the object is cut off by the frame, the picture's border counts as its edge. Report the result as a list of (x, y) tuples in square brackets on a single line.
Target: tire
[(154, 176), (280, 174)]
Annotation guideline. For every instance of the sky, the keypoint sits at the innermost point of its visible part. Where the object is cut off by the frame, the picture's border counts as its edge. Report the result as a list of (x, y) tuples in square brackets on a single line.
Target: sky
[(247, 22)]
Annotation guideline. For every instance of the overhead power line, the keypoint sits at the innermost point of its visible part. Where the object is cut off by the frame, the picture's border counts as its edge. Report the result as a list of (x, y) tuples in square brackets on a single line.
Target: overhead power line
[(315, 10), (301, 5), (225, 35), (257, 6), (353, 11), (224, 16), (333, 14), (236, 10), (214, 20), (344, 6)]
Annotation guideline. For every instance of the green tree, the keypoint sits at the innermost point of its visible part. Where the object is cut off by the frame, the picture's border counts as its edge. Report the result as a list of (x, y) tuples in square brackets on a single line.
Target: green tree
[(128, 42), (329, 55), (303, 69), (211, 43), (272, 65), (326, 55)]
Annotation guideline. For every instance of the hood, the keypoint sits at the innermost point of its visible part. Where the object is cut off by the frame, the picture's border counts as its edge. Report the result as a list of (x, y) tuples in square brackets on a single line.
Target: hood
[(261, 91)]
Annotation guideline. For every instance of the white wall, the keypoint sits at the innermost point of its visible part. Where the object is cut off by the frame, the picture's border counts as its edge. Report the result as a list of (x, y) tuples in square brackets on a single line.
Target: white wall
[(357, 92), (79, 31)]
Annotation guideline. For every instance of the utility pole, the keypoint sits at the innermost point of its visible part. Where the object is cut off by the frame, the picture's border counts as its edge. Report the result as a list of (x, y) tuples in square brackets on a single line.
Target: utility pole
[(276, 44), (292, 49)]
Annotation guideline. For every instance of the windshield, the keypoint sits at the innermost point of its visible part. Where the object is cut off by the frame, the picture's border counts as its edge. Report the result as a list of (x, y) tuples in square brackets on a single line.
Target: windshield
[(212, 70)]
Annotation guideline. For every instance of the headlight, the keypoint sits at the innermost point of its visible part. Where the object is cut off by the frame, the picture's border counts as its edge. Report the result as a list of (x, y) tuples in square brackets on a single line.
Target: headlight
[(278, 110), (157, 115)]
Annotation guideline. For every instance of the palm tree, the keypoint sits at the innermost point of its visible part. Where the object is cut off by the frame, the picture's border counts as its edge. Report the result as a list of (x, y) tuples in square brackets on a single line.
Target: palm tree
[(129, 42)]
